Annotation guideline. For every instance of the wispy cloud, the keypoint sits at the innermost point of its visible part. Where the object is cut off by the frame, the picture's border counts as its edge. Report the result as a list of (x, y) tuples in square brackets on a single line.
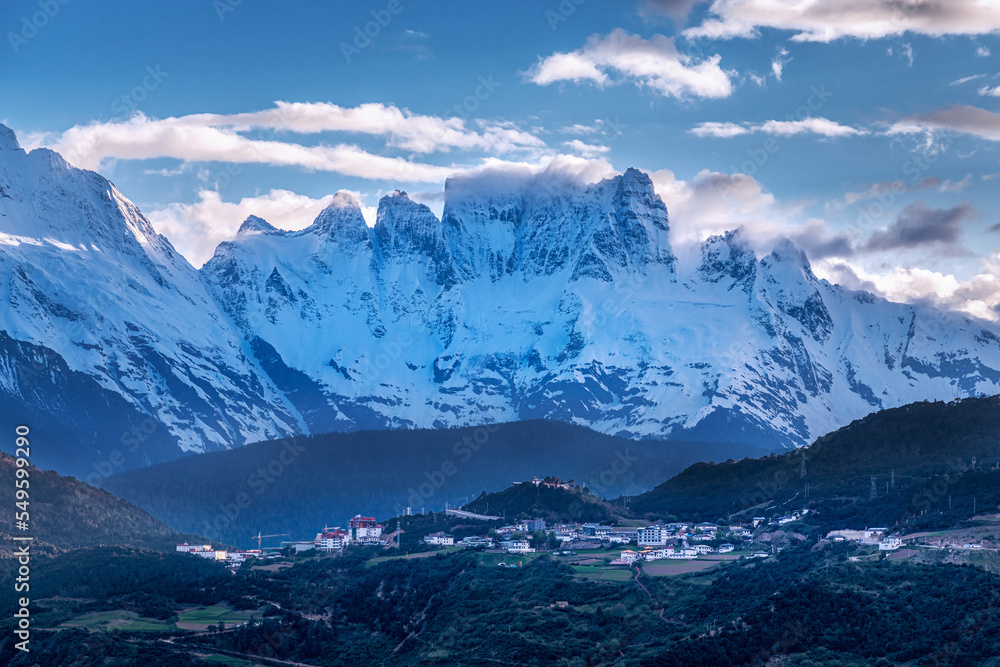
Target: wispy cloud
[(959, 118), (224, 138), (779, 62), (786, 128), (835, 19), (196, 229), (920, 225), (584, 149), (655, 63)]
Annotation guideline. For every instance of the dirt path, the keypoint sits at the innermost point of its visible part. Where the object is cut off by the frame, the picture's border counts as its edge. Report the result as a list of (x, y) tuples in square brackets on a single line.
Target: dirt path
[(648, 594)]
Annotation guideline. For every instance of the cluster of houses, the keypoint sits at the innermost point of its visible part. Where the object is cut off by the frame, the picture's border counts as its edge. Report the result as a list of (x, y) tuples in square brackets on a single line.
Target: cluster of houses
[(361, 530), (681, 540), (871, 536), (230, 558), (672, 540)]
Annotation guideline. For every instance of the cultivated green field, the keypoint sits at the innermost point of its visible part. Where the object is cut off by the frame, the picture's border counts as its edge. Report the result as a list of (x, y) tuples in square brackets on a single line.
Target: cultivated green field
[(118, 619), (598, 573), (205, 616)]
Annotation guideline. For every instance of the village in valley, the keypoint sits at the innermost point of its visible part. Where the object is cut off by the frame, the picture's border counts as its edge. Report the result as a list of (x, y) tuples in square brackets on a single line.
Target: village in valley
[(615, 544)]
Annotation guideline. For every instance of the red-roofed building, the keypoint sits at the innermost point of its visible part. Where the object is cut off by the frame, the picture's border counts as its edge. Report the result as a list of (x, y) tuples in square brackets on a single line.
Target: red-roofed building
[(364, 529), (332, 540)]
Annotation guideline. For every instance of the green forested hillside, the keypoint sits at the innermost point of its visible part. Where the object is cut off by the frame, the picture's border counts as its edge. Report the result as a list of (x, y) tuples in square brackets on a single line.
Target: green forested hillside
[(65, 513), (554, 504), (924, 457)]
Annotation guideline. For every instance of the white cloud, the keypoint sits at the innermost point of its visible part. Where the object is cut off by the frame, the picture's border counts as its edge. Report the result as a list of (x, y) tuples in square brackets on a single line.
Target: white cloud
[(987, 91), (779, 62), (142, 138), (714, 203), (403, 128), (983, 52), (720, 130), (828, 20), (655, 63), (907, 50), (967, 79), (784, 128), (196, 229), (586, 150), (222, 138), (959, 118), (581, 129), (978, 296)]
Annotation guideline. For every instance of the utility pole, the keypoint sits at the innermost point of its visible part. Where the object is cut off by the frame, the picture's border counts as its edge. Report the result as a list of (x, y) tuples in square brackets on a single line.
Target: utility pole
[(874, 492), (802, 472), (892, 480)]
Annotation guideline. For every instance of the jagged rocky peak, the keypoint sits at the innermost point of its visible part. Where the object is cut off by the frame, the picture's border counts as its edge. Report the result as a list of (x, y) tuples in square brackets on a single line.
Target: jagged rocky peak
[(253, 225), (8, 140), (788, 263), (402, 225), (727, 255), (635, 194), (342, 222), (482, 223)]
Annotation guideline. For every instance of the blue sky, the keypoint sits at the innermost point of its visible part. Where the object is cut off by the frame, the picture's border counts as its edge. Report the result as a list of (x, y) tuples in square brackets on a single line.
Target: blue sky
[(869, 136)]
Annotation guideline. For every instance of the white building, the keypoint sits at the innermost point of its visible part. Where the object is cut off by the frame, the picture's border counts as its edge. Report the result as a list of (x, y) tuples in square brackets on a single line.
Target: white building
[(866, 536), (364, 530), (702, 549), (332, 540), (652, 536), (890, 543), (238, 557), (726, 548), (439, 539), (630, 556), (518, 546), (188, 548)]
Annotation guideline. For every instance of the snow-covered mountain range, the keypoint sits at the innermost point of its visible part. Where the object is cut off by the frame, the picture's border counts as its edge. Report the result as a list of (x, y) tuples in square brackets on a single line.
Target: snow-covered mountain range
[(529, 298)]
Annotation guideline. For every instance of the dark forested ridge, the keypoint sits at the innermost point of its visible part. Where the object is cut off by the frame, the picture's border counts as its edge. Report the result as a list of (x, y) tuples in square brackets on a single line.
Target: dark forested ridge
[(546, 500), (299, 485), (920, 455), (68, 514)]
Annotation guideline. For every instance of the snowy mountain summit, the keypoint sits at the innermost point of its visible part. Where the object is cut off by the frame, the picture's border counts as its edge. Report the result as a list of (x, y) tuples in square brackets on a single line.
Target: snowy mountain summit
[(528, 298)]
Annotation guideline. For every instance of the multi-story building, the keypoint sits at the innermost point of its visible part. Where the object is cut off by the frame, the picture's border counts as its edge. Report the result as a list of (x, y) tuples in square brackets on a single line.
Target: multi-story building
[(652, 536), (332, 540), (364, 530), (531, 525)]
